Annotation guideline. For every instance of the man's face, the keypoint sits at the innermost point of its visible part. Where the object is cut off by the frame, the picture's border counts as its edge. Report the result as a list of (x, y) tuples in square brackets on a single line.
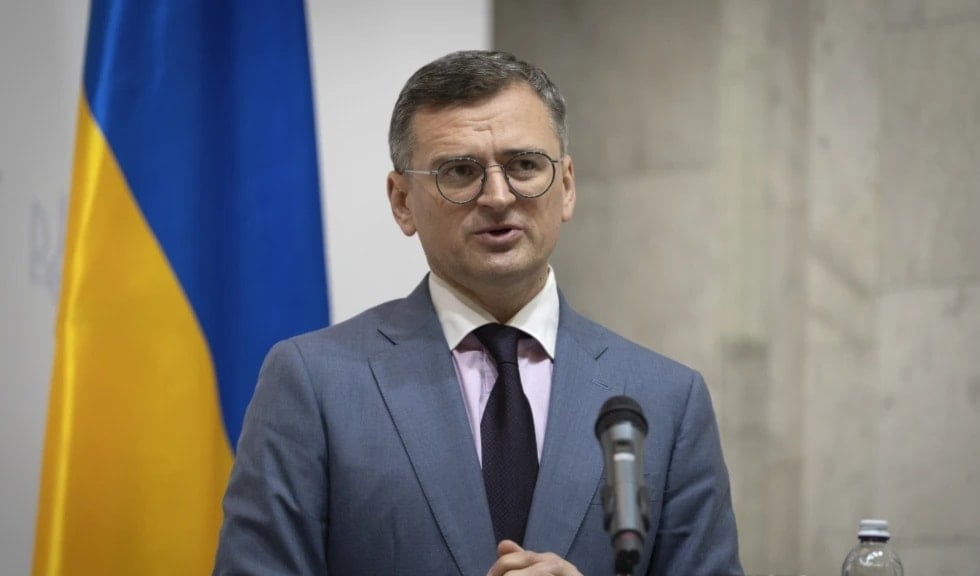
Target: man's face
[(499, 241)]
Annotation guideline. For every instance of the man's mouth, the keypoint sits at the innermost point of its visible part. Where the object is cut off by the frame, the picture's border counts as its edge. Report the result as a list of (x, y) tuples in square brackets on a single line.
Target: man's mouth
[(499, 236), (500, 231)]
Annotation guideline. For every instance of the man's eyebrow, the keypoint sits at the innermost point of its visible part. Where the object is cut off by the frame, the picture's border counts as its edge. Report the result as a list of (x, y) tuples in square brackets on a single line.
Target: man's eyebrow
[(437, 160), (511, 152), (504, 154)]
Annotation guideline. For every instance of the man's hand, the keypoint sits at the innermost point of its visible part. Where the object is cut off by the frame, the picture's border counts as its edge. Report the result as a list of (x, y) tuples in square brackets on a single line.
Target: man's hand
[(512, 560)]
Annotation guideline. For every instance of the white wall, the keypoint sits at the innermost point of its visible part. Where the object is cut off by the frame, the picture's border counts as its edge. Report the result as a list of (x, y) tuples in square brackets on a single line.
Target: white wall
[(362, 57), (362, 54), (41, 47)]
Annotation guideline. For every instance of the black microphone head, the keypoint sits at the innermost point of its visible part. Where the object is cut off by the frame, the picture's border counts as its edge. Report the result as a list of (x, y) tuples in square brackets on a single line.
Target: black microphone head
[(620, 409)]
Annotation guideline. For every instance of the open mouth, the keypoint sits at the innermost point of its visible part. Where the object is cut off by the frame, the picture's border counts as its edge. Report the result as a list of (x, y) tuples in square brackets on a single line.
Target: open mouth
[(500, 236)]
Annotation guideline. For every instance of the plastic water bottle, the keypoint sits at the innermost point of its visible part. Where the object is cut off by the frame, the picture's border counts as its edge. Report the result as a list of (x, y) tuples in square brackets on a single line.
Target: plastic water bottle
[(871, 556)]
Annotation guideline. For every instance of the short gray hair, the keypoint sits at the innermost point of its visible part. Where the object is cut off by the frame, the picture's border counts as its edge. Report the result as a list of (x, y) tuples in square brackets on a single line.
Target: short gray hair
[(462, 78)]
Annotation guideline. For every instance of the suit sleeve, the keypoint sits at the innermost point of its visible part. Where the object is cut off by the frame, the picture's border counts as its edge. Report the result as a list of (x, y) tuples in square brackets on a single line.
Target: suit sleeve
[(697, 535), (275, 505)]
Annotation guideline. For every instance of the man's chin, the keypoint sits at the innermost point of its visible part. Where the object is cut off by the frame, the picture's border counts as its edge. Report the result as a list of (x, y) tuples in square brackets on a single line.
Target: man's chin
[(510, 274)]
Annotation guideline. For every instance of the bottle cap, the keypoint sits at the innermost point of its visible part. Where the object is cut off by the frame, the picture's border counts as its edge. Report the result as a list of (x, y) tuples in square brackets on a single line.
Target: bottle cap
[(871, 528)]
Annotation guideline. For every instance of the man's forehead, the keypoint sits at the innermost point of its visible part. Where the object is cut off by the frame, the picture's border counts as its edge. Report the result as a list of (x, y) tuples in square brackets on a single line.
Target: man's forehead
[(519, 107), (435, 108)]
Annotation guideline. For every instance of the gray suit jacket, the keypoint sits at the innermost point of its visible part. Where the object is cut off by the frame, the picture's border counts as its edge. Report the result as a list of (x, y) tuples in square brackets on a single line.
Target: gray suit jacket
[(356, 457)]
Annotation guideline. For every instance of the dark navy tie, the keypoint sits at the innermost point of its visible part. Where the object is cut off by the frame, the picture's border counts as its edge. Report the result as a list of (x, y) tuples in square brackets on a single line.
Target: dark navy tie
[(510, 453)]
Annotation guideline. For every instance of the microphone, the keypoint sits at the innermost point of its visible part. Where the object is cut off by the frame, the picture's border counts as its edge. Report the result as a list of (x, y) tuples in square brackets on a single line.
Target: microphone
[(621, 429)]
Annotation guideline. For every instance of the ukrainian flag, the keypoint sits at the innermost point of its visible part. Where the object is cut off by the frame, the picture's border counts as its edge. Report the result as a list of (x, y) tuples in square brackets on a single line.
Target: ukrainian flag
[(194, 242)]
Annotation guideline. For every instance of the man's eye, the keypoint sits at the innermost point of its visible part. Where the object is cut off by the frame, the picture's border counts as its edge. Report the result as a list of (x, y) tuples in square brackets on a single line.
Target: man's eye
[(460, 171), (526, 166)]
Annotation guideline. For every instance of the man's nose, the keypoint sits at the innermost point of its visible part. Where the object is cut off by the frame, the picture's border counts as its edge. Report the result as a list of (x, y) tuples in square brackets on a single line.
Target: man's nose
[(496, 191)]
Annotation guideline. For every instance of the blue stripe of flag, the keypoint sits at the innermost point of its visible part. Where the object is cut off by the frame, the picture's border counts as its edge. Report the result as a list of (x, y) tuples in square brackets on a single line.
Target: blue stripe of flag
[(208, 107)]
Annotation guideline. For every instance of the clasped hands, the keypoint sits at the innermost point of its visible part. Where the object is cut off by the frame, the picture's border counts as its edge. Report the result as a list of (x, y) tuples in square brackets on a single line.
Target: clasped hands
[(512, 560)]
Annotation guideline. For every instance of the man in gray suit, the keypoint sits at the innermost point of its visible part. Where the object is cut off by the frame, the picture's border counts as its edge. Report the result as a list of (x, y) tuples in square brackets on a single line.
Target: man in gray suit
[(394, 442)]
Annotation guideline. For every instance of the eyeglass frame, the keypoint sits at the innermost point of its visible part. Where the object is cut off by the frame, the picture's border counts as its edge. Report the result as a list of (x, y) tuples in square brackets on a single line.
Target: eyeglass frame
[(486, 172)]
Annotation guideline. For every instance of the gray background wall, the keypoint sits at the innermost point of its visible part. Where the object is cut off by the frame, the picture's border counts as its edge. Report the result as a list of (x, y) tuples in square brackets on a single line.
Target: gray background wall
[(782, 193), (786, 194)]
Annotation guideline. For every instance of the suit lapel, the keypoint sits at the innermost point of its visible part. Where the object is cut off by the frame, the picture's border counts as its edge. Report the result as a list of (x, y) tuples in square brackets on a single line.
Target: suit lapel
[(420, 388), (571, 461)]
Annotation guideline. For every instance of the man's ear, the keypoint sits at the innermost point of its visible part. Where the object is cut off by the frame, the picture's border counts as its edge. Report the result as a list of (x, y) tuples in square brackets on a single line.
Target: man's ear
[(398, 199), (568, 189)]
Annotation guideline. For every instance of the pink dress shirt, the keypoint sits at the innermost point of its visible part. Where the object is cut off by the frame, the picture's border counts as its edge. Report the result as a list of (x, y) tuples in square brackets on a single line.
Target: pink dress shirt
[(477, 371)]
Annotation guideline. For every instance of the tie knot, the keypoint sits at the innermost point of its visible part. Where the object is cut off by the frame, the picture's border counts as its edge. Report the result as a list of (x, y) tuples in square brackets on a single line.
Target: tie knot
[(500, 341)]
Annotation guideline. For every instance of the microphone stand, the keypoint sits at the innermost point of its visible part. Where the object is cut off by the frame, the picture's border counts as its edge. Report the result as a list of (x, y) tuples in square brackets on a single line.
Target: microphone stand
[(627, 546)]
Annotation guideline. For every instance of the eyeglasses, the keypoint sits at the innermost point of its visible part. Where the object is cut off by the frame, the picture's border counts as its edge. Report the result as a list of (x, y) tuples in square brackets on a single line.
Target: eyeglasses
[(461, 180)]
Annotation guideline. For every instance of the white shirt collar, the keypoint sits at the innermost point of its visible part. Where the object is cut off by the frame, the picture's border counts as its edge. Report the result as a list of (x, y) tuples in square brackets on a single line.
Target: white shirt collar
[(460, 315)]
